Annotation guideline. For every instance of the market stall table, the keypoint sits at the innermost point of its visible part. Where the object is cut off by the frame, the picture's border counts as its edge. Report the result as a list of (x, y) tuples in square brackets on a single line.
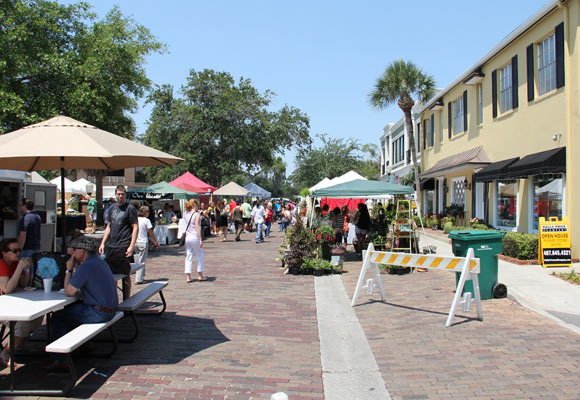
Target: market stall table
[(166, 234), (27, 306)]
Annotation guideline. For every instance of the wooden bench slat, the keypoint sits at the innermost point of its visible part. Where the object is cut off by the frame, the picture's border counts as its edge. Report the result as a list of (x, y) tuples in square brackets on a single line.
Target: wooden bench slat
[(137, 299), (83, 333)]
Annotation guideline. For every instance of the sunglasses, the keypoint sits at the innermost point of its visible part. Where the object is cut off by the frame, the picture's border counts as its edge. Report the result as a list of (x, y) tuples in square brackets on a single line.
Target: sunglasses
[(13, 250)]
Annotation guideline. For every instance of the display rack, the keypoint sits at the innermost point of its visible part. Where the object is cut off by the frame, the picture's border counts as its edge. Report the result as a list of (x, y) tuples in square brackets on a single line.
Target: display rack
[(403, 237)]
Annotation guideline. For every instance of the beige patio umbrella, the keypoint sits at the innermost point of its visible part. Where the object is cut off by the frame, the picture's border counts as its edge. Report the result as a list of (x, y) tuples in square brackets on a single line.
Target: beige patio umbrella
[(64, 143), (232, 189)]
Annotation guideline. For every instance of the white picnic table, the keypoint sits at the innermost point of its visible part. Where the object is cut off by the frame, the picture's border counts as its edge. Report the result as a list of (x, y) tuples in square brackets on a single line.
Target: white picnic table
[(25, 305)]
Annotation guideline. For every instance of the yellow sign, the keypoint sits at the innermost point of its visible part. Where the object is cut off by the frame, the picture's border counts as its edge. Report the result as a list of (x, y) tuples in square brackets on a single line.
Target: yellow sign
[(554, 249)]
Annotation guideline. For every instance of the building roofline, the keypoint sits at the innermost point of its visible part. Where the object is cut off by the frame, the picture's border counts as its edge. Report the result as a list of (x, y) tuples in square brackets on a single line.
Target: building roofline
[(516, 33)]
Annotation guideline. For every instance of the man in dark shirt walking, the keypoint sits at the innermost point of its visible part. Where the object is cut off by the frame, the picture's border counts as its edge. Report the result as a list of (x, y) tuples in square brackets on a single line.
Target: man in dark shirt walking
[(120, 237), (29, 227)]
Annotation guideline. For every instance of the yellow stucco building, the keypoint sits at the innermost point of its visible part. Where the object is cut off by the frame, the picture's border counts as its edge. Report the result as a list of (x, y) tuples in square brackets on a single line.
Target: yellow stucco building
[(500, 140)]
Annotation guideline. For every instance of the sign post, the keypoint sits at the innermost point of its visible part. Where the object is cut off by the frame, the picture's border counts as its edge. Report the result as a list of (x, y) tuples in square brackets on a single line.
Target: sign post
[(554, 248)]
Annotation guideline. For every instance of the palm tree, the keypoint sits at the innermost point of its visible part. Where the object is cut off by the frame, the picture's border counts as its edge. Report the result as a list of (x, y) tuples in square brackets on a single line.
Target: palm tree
[(399, 83)]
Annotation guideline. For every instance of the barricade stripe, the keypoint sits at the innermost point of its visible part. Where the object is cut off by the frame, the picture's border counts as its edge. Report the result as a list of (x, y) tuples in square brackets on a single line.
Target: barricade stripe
[(392, 259), (406, 260), (380, 256), (435, 263), (421, 260), (472, 265), (453, 263)]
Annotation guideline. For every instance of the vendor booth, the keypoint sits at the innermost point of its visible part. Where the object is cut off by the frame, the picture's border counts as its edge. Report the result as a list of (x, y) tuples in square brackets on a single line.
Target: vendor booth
[(360, 189), (257, 191)]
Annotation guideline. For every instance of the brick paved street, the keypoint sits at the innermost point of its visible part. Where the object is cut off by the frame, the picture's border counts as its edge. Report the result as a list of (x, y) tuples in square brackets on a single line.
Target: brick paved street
[(512, 354), (247, 333), (251, 331)]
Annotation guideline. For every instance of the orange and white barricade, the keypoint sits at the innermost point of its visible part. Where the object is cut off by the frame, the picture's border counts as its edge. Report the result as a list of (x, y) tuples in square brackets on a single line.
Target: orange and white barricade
[(468, 266)]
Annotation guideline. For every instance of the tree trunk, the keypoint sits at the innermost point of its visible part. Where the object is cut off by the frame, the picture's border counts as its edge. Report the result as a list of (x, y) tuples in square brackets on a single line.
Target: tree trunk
[(406, 104)]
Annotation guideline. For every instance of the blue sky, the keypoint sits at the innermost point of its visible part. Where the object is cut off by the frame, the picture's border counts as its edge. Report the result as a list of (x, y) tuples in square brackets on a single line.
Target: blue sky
[(321, 56)]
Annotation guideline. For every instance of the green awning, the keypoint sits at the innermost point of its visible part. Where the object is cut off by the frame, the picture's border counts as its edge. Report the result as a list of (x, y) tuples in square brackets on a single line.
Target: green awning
[(362, 188), (163, 189)]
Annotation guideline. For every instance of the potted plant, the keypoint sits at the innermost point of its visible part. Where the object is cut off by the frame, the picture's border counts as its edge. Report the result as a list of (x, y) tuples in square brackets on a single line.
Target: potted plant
[(307, 266), (302, 243), (318, 269), (325, 236), (326, 267)]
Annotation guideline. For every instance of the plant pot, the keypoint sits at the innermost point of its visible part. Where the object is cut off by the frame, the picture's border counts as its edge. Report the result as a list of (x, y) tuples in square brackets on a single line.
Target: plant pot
[(403, 271), (318, 272), (337, 271), (326, 252), (327, 271), (306, 271), (295, 271)]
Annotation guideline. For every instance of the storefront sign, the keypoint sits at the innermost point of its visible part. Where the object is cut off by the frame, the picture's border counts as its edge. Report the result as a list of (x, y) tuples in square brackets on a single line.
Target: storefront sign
[(149, 196), (554, 249)]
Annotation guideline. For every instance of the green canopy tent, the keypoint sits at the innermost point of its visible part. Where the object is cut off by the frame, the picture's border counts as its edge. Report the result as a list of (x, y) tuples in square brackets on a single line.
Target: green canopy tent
[(161, 191), (362, 189)]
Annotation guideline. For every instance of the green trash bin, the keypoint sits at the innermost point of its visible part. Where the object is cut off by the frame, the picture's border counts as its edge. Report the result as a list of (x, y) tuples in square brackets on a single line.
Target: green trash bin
[(486, 246)]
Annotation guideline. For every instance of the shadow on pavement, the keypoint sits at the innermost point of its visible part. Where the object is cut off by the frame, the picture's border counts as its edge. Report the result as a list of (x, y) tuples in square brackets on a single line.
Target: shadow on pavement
[(163, 340)]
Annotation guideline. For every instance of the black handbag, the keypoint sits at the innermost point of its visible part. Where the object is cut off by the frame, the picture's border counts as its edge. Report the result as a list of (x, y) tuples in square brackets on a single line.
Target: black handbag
[(182, 240)]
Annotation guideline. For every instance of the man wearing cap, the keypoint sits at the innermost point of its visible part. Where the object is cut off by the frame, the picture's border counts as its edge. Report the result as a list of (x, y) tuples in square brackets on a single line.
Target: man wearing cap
[(88, 274)]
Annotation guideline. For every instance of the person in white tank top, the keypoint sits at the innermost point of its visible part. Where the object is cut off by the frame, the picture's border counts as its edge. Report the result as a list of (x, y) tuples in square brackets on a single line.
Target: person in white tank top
[(193, 244)]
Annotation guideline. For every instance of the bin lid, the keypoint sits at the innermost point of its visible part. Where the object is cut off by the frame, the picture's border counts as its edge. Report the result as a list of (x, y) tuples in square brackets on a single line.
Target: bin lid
[(474, 234)]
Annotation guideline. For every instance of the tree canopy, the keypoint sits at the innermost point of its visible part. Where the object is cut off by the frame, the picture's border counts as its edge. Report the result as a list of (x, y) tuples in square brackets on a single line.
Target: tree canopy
[(221, 127), (335, 157), (60, 59), (401, 82)]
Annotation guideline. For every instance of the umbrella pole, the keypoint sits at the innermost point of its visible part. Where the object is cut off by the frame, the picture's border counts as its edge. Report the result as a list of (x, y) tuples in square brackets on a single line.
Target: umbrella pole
[(62, 208)]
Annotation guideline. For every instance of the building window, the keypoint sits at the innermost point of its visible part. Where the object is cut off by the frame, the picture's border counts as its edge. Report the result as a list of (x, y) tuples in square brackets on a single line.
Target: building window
[(458, 191), (547, 65), (505, 88), (506, 204), (441, 127), (399, 149), (548, 197), (480, 104), (458, 116), (429, 133)]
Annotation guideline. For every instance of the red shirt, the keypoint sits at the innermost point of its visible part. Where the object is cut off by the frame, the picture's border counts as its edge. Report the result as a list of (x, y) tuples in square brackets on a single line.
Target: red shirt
[(232, 206), (268, 216), (7, 270)]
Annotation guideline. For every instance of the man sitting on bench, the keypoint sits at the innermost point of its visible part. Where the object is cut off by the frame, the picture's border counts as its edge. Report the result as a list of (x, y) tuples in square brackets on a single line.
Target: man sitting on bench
[(94, 279)]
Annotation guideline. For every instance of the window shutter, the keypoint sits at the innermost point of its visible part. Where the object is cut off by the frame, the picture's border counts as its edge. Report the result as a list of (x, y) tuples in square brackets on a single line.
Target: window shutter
[(530, 71), (424, 133), (494, 92), (515, 102), (432, 132), (418, 142), (465, 111), (449, 115), (560, 55)]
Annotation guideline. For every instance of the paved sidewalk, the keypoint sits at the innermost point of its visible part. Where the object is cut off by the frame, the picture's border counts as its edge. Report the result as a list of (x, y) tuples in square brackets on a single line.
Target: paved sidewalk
[(514, 353), (532, 286)]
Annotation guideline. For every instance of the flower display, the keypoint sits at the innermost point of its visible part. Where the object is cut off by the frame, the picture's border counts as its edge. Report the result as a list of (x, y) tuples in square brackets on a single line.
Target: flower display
[(325, 234)]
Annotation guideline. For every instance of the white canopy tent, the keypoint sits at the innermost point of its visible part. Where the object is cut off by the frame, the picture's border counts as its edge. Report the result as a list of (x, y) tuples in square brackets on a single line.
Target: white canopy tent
[(68, 184)]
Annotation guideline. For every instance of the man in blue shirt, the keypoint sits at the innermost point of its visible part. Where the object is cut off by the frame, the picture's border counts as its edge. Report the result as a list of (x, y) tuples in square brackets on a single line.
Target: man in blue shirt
[(89, 275), (29, 227)]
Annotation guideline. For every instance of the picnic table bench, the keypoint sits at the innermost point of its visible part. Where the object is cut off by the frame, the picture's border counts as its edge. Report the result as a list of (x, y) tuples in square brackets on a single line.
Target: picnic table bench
[(132, 304), (79, 336)]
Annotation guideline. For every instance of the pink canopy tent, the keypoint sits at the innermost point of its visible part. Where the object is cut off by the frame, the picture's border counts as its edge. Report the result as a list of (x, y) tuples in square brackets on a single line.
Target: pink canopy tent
[(192, 183)]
